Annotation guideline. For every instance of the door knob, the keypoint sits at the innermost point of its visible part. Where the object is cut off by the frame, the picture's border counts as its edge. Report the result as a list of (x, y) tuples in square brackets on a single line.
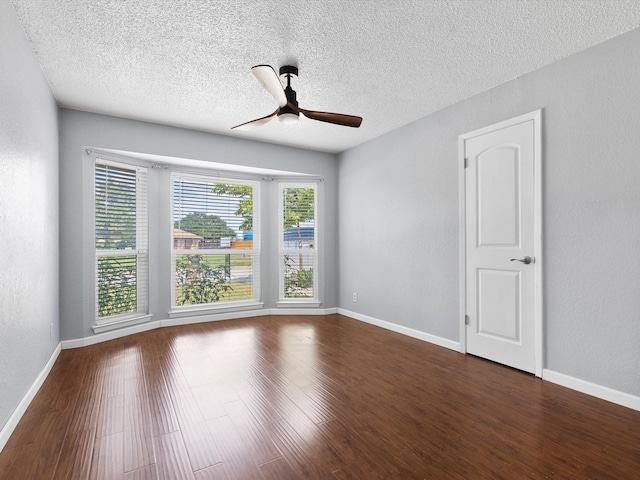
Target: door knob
[(525, 260)]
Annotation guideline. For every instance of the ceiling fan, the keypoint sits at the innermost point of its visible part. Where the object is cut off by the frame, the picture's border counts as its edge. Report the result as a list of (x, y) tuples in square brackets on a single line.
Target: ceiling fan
[(288, 111)]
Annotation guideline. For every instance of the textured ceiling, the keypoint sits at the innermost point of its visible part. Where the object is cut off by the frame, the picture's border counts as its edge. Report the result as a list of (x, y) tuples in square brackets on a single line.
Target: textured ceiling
[(187, 62)]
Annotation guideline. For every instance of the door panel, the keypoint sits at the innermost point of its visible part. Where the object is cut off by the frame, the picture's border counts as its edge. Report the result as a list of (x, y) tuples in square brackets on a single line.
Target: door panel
[(499, 224), (498, 197), (498, 305)]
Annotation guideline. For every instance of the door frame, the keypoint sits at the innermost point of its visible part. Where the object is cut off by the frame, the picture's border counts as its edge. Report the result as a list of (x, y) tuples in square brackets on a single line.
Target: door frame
[(536, 117)]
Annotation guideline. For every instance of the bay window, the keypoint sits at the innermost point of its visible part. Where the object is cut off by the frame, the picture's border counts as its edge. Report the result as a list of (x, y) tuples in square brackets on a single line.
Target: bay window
[(206, 242)]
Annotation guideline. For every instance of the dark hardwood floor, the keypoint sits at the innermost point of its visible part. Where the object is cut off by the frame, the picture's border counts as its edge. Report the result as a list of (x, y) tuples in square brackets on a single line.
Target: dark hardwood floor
[(308, 397)]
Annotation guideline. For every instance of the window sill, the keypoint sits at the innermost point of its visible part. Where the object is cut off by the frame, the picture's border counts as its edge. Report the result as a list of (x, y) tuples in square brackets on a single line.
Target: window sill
[(191, 311), (297, 303), (127, 321)]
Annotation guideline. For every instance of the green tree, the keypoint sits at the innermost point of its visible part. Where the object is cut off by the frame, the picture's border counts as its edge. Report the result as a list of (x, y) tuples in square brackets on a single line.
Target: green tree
[(245, 206), (299, 207), (205, 225), (115, 207)]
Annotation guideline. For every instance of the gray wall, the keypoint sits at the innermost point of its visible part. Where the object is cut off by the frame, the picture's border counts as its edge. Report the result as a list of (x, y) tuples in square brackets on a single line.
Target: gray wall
[(398, 220), (79, 130), (399, 213), (28, 216)]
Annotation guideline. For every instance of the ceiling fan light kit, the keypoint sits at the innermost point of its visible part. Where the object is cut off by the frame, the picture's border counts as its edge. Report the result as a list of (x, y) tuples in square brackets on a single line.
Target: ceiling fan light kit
[(288, 118), (288, 111)]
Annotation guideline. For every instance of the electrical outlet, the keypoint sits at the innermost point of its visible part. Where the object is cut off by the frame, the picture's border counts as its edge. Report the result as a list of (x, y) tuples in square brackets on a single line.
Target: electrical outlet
[(355, 297)]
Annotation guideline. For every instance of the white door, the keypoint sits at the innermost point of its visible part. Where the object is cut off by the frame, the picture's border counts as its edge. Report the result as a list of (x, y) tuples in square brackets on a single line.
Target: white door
[(502, 274)]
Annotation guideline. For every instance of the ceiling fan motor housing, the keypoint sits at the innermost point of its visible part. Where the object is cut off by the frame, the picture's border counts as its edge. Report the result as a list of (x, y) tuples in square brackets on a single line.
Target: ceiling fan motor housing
[(289, 70)]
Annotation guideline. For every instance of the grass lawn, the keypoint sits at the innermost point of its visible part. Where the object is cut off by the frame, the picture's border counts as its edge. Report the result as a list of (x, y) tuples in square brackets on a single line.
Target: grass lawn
[(217, 260)]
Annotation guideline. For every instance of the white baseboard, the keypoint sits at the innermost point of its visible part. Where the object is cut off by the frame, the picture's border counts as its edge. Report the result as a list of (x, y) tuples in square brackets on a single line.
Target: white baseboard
[(17, 414), (303, 311), (442, 342), (598, 391), (605, 393), (111, 335), (172, 322), (213, 317)]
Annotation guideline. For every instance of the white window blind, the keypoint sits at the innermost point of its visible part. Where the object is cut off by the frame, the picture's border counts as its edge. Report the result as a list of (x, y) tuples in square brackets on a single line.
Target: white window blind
[(298, 242), (215, 241), (121, 240)]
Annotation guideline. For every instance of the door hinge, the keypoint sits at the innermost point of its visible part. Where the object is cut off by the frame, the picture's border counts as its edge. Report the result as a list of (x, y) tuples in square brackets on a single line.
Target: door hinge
[(466, 319), (466, 162)]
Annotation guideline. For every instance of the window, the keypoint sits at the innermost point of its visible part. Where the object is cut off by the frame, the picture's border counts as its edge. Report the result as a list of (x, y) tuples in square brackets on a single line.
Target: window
[(121, 239), (215, 242), (298, 242)]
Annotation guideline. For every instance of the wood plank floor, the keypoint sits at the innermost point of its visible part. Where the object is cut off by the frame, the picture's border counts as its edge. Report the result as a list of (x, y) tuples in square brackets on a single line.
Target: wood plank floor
[(308, 397)]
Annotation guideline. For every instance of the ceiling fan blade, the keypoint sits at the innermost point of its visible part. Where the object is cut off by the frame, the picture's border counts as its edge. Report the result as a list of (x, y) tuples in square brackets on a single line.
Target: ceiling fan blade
[(337, 118), (268, 78), (255, 123)]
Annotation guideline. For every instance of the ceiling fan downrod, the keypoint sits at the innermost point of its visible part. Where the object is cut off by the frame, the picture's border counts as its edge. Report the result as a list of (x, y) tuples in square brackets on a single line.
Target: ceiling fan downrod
[(288, 114)]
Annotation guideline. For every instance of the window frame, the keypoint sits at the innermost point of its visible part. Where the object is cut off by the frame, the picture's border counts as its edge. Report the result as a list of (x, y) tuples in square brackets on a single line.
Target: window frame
[(282, 251), (141, 252), (255, 302)]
